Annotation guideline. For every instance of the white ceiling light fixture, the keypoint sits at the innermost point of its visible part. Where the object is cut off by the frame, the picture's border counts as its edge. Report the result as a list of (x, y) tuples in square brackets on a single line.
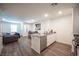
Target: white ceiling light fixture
[(46, 15), (60, 12)]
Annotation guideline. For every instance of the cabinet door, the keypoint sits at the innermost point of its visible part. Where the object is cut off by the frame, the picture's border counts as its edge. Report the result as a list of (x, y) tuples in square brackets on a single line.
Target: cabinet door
[(50, 39), (54, 37)]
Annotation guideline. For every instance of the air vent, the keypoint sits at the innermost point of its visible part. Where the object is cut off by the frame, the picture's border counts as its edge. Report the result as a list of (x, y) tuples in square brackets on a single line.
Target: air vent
[(54, 4)]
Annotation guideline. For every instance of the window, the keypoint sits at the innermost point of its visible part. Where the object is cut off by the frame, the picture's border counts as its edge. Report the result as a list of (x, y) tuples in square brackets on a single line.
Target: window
[(13, 28), (24, 28)]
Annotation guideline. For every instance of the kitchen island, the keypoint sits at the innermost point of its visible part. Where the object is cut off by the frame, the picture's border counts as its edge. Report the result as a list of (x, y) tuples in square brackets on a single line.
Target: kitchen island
[(38, 42), (41, 41)]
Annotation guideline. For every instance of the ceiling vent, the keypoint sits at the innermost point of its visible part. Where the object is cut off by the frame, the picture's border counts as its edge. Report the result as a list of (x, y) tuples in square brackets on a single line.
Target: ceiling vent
[(54, 4)]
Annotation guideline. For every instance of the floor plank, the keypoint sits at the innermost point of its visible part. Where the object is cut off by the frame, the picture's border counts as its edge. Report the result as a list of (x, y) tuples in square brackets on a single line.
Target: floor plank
[(23, 48)]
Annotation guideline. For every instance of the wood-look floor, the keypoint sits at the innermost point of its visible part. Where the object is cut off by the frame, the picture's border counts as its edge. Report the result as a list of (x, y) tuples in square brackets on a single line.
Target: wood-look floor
[(23, 48)]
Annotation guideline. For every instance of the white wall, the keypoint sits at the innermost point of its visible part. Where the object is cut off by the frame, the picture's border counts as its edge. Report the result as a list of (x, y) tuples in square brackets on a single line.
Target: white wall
[(0, 21), (6, 27), (0, 25), (63, 27), (45, 25), (76, 20), (28, 27)]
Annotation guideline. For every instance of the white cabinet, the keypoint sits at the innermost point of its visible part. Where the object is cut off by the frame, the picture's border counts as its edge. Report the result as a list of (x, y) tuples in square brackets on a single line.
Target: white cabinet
[(38, 43), (35, 43), (50, 39)]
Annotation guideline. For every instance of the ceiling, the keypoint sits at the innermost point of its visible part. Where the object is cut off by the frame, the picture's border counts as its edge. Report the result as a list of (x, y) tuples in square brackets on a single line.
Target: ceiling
[(34, 11)]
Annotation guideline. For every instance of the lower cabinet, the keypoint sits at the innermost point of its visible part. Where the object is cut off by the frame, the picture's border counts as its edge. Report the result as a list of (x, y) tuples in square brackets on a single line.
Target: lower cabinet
[(50, 39), (38, 43)]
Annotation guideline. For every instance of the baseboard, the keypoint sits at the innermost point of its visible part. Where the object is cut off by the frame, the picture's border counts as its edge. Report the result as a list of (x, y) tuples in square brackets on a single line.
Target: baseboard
[(64, 43)]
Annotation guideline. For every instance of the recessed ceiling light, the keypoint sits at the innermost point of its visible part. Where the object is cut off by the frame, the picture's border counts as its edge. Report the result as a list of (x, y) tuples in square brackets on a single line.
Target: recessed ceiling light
[(46, 15), (60, 12)]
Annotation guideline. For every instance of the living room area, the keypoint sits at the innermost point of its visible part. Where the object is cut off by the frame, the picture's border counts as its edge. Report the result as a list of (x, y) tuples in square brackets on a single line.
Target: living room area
[(38, 29)]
